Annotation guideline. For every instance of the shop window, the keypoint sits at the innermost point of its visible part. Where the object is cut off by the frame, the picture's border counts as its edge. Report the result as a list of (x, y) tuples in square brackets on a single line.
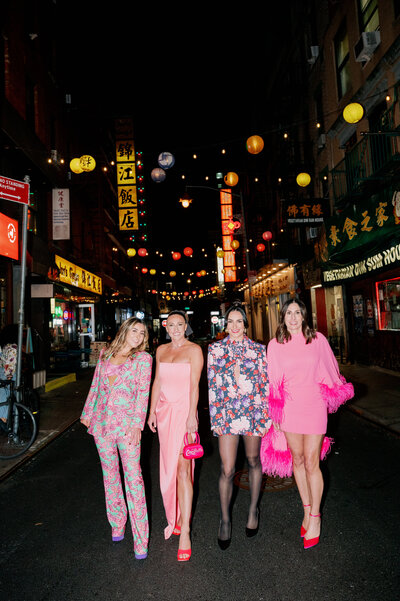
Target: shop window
[(388, 303)]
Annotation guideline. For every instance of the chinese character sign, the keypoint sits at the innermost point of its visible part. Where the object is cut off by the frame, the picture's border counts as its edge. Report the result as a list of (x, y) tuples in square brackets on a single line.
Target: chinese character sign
[(61, 214), (76, 276), (227, 236), (366, 224), (310, 212), (126, 177)]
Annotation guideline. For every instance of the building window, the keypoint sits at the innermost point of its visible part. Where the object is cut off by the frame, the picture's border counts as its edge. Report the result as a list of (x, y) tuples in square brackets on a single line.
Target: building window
[(388, 303), (368, 15), (342, 60)]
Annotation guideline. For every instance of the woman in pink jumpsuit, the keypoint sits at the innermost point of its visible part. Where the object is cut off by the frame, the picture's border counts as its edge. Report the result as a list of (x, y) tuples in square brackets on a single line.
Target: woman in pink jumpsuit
[(173, 412), (305, 384), (115, 414)]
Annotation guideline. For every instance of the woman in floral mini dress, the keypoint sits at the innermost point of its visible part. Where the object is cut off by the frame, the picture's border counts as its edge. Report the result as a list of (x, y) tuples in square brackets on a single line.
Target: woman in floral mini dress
[(238, 392)]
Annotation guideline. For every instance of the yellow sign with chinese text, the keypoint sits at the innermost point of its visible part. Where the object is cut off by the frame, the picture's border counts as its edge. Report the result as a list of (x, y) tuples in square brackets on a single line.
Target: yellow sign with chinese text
[(77, 276)]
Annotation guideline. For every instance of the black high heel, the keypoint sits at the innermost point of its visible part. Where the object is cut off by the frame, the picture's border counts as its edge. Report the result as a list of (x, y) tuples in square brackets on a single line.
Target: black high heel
[(224, 543), (250, 532)]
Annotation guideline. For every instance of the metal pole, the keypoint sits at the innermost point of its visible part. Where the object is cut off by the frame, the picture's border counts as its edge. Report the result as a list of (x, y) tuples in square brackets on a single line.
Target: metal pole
[(247, 262), (22, 292)]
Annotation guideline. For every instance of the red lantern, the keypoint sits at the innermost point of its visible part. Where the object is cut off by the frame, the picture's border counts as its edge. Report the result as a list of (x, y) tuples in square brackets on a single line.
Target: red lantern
[(194, 291), (176, 256), (201, 291), (154, 291), (260, 247), (186, 293), (188, 251), (267, 235), (198, 274), (142, 252), (144, 270)]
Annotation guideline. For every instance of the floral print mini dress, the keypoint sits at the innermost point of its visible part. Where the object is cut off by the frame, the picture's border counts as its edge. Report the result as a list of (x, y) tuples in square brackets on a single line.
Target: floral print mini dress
[(238, 387)]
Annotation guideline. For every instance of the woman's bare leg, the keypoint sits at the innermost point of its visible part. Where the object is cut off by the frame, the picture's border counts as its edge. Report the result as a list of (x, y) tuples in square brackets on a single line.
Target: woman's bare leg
[(312, 450), (296, 446), (185, 500)]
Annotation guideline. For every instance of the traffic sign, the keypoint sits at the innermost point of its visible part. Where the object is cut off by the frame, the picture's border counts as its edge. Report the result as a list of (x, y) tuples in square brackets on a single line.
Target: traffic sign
[(12, 189)]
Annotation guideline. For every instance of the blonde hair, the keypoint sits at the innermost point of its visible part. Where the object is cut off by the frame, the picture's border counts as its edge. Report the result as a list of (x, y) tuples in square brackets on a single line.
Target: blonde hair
[(120, 338)]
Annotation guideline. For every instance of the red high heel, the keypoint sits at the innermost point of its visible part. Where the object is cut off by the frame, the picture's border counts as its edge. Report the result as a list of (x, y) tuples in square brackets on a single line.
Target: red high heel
[(302, 529), (184, 554), (311, 542), (176, 530)]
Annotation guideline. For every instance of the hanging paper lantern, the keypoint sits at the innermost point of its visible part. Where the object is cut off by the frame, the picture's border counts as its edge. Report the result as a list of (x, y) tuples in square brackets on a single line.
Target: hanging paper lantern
[(144, 270), (75, 166), (176, 256), (87, 162), (303, 179), (254, 144), (154, 291), (194, 291), (231, 178), (174, 293), (201, 291), (234, 244), (166, 160), (220, 254), (353, 112), (158, 175), (142, 252), (267, 235), (131, 252), (260, 247), (188, 251), (203, 272), (198, 274), (152, 271), (172, 274), (186, 293)]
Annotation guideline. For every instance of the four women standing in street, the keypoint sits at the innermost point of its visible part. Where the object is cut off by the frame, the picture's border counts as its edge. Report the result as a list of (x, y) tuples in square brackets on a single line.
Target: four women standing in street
[(294, 384)]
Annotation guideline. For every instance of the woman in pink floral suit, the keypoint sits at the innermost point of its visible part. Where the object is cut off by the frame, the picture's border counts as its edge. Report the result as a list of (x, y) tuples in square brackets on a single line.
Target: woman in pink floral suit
[(115, 413), (238, 392)]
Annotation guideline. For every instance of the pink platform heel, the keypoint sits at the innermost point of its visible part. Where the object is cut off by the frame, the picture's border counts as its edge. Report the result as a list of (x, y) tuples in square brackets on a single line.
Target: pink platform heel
[(302, 529), (311, 542)]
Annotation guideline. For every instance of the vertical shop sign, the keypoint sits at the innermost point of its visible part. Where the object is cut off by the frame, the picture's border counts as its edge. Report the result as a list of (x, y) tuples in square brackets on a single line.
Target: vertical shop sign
[(126, 176), (227, 236), (61, 214)]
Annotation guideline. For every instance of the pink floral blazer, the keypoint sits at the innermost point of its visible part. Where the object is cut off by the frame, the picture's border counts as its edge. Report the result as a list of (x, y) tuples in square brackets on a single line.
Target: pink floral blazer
[(114, 409), (238, 407)]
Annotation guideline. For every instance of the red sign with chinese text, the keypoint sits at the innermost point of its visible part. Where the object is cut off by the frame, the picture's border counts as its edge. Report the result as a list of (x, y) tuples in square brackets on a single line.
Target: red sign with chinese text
[(12, 189), (8, 237)]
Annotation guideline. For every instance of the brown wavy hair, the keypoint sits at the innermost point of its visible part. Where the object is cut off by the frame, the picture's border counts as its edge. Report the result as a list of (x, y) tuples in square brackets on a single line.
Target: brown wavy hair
[(282, 333), (120, 338)]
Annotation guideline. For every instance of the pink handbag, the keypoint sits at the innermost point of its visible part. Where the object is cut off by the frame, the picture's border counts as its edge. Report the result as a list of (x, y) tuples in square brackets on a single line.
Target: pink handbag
[(192, 450)]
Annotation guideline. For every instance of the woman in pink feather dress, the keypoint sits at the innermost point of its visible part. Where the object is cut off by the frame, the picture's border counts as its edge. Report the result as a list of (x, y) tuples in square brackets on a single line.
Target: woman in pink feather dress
[(305, 384)]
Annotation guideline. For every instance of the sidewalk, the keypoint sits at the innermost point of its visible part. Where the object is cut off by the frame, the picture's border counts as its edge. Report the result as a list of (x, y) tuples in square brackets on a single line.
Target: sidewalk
[(377, 398)]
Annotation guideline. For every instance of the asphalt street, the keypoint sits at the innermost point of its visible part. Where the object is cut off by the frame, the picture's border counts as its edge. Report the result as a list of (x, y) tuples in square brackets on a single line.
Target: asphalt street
[(56, 542)]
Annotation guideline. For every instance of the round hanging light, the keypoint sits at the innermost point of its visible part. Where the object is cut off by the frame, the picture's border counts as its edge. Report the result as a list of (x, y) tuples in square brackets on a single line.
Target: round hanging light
[(176, 256), (172, 274), (166, 160), (231, 178), (142, 252), (220, 254), (254, 144), (188, 251), (87, 162), (234, 244), (260, 247), (75, 166), (131, 252), (144, 270), (353, 112), (158, 175), (303, 179), (152, 271), (267, 235)]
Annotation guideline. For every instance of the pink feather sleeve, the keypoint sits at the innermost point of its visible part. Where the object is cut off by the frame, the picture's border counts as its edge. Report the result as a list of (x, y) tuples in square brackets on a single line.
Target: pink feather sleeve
[(334, 388)]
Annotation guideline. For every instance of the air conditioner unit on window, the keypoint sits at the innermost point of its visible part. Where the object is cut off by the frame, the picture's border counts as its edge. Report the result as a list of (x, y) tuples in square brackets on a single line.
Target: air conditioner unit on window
[(366, 45), (314, 50)]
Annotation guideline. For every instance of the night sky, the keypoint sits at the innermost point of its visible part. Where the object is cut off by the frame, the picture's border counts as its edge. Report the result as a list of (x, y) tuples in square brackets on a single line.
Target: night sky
[(193, 81)]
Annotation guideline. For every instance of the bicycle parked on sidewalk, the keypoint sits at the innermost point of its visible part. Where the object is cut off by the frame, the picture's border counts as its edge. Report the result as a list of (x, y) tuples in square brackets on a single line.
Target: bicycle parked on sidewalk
[(19, 430)]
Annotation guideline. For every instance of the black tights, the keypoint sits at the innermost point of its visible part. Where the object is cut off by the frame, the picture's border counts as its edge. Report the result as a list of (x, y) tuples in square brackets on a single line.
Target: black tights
[(228, 446)]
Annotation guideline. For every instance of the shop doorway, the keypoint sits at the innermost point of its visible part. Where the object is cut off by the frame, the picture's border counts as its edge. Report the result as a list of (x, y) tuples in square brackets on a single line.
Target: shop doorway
[(86, 329)]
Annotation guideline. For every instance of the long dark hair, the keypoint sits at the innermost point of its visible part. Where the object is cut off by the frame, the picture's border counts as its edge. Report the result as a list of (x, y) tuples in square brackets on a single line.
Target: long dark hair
[(237, 306), (282, 333)]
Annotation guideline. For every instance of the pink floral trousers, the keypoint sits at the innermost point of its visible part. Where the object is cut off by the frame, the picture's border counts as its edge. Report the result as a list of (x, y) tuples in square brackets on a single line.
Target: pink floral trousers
[(117, 512)]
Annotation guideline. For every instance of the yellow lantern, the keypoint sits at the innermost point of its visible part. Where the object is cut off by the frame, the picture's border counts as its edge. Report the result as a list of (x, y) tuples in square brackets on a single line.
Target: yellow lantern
[(75, 166), (234, 244), (353, 112), (152, 271), (220, 254), (172, 274), (231, 178), (303, 179), (254, 144), (203, 272), (87, 162), (131, 252), (174, 293)]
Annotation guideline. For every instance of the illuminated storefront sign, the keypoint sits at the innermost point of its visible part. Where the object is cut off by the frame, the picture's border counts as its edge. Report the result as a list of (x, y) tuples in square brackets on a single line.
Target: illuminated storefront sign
[(8, 237), (76, 276), (227, 236)]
